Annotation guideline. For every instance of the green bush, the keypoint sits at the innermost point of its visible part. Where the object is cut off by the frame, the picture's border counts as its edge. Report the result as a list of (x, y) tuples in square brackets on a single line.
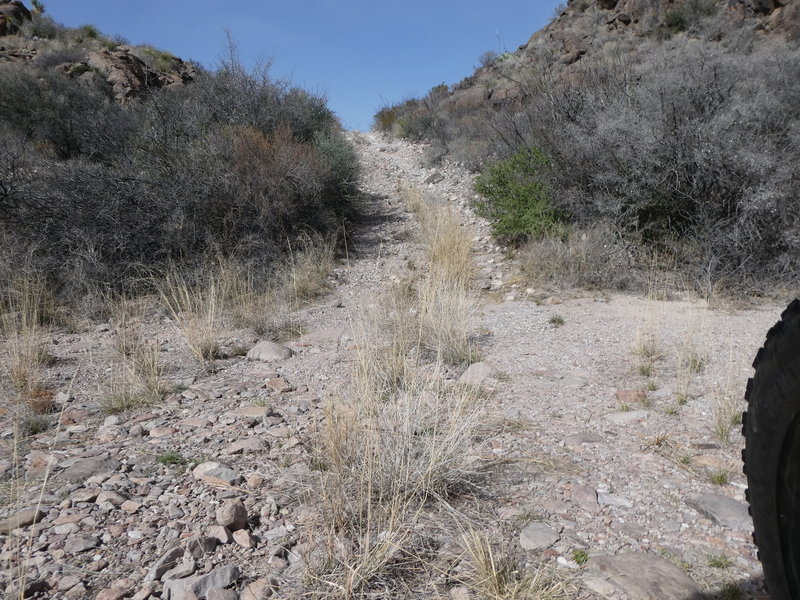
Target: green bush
[(516, 199)]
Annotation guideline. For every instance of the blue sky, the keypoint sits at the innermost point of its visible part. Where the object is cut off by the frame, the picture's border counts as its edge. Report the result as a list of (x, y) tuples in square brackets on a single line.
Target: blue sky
[(360, 54)]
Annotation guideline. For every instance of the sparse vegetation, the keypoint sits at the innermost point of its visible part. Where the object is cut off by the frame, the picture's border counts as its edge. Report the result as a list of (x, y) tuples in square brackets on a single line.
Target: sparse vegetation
[(721, 477), (580, 556), (556, 321), (171, 458), (719, 561), (499, 576)]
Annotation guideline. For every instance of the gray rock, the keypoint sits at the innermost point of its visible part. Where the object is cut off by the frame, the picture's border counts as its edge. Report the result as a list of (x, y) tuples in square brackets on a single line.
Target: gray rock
[(723, 510), (221, 534), (232, 515), (22, 518), (113, 497), (267, 351), (83, 469), (586, 497), (537, 536), (167, 561), (80, 543), (181, 571), (196, 587), (434, 178), (215, 473), (477, 373), (200, 545), (260, 589), (645, 576), (613, 500), (218, 594)]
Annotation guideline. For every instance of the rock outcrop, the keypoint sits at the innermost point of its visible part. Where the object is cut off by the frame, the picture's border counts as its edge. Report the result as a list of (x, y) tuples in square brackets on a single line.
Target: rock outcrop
[(12, 15)]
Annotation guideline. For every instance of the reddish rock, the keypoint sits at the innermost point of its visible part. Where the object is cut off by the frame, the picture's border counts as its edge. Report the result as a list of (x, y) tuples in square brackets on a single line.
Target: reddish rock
[(631, 396), (12, 15)]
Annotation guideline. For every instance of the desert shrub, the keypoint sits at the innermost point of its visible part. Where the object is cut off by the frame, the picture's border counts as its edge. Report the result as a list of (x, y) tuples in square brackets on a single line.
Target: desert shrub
[(59, 56), (156, 59), (73, 118), (233, 164), (681, 17), (686, 151), (515, 197), (385, 119)]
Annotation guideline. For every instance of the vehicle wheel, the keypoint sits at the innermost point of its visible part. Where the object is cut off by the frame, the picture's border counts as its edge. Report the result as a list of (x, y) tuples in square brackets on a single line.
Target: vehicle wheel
[(771, 427)]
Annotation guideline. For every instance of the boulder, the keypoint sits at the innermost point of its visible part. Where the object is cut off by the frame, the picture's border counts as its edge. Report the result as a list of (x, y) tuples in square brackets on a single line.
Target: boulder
[(267, 351)]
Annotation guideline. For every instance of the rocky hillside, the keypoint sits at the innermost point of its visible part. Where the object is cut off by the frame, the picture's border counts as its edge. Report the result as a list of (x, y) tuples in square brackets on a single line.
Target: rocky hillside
[(85, 53), (668, 129), (592, 29)]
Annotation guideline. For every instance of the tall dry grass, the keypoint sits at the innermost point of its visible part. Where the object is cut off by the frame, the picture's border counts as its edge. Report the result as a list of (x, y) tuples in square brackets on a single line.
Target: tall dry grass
[(383, 461)]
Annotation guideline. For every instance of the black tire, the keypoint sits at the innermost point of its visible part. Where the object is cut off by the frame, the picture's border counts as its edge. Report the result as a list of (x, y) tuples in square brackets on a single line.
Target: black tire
[(771, 427)]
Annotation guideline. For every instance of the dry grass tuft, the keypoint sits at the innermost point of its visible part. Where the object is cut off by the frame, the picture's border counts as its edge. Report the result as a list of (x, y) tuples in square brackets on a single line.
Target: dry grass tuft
[(27, 308), (726, 415), (137, 379), (499, 576), (382, 460), (195, 308), (445, 314)]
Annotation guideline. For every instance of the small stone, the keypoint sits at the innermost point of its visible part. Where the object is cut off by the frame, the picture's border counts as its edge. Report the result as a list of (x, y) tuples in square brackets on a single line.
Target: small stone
[(266, 351), (243, 538), (130, 507), (220, 594), (260, 589), (255, 481), (112, 594), (22, 518), (181, 570), (537, 536), (200, 545), (232, 515), (215, 473), (280, 385), (113, 497), (723, 510), (613, 500), (67, 582), (80, 543), (192, 588), (159, 432), (221, 534), (477, 373), (167, 561), (83, 469), (252, 444)]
